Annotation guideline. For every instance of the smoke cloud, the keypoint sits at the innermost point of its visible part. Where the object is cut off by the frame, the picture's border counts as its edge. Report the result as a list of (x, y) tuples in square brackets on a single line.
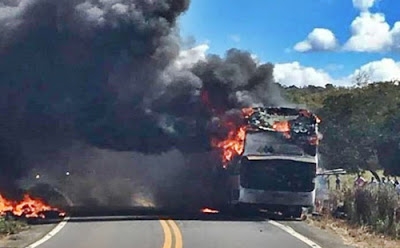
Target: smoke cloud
[(107, 73)]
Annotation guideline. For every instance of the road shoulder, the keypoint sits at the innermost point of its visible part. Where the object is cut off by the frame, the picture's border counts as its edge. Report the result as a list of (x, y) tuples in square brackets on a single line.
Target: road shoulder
[(324, 238), (26, 237)]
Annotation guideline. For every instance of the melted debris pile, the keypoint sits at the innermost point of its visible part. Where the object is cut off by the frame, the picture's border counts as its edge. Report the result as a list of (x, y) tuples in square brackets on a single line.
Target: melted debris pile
[(297, 125)]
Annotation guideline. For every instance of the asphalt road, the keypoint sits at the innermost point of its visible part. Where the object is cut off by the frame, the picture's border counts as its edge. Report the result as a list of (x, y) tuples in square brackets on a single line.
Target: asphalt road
[(154, 233)]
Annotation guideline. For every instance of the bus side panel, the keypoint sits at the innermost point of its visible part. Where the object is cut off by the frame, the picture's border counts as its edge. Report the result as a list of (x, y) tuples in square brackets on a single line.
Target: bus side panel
[(234, 182)]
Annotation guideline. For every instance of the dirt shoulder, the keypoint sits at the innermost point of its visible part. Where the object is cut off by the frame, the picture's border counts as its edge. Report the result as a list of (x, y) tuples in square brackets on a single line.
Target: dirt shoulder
[(324, 238), (26, 237), (350, 236)]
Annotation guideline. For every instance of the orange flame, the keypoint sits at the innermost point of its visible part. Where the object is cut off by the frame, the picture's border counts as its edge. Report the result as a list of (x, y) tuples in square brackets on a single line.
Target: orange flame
[(247, 111), (281, 126), (233, 145), (209, 211), (28, 207)]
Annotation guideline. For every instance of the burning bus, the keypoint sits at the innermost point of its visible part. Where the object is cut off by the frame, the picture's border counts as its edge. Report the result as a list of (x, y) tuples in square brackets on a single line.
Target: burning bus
[(276, 160)]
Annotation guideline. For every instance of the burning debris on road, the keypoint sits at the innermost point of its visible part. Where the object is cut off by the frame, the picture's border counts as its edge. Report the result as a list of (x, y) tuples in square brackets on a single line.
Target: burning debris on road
[(28, 207)]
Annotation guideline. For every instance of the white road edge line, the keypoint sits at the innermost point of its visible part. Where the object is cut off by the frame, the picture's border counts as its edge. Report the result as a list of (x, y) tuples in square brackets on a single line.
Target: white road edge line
[(50, 234), (294, 234)]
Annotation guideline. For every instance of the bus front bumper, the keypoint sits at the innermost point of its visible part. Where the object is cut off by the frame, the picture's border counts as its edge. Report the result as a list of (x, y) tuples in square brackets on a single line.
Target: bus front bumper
[(277, 198)]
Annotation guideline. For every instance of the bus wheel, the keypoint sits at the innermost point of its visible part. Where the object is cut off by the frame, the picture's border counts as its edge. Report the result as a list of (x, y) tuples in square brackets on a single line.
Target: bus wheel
[(241, 210), (294, 213)]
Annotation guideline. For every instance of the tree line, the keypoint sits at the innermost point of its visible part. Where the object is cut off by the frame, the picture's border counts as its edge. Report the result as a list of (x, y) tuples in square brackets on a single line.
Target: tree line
[(360, 124)]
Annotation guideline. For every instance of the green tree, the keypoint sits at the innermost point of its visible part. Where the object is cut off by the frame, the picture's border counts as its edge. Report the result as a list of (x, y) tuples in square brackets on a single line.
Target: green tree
[(360, 125)]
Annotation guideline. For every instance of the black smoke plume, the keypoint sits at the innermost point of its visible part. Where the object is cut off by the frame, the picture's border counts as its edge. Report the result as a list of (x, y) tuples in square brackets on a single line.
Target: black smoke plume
[(105, 72)]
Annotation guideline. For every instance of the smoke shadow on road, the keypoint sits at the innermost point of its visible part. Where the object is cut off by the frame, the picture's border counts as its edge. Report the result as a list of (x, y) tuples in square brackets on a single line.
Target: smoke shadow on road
[(97, 214), (100, 214)]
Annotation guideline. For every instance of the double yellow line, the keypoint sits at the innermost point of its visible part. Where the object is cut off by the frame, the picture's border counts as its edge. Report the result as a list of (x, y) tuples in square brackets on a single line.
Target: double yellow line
[(171, 233)]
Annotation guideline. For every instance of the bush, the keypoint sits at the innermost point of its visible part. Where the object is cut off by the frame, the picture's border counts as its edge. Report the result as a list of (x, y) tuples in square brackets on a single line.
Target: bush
[(9, 226), (374, 206)]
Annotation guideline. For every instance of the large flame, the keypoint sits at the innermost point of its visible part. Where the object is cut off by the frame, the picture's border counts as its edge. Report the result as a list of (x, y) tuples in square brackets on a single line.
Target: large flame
[(28, 207), (233, 145)]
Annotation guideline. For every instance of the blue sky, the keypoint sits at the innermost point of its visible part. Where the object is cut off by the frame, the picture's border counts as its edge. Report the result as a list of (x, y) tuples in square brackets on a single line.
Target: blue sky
[(271, 29)]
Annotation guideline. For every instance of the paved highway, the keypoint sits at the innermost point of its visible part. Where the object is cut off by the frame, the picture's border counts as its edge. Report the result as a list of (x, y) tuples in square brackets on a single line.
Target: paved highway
[(153, 233)]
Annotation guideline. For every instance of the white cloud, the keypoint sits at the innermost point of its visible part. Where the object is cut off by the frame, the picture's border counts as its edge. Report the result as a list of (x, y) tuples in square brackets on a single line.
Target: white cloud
[(363, 5), (396, 36), (320, 39), (295, 74), (385, 69), (371, 33), (187, 58)]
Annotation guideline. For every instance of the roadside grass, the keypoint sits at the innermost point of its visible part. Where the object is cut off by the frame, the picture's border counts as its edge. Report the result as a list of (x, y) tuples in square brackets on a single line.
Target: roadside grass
[(375, 207), (372, 213), (353, 235), (11, 226)]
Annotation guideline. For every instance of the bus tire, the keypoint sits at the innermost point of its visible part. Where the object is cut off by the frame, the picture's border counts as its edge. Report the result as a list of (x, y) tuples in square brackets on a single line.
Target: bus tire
[(295, 213), (242, 210)]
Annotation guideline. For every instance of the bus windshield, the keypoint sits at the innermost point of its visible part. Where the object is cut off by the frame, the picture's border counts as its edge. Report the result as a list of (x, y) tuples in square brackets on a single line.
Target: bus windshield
[(278, 175)]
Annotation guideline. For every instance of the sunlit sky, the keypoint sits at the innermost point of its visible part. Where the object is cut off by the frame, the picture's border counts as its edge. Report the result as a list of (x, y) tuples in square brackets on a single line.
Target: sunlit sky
[(310, 41)]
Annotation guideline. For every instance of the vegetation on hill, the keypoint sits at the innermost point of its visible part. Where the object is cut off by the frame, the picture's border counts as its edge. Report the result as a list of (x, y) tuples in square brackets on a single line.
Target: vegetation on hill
[(360, 124)]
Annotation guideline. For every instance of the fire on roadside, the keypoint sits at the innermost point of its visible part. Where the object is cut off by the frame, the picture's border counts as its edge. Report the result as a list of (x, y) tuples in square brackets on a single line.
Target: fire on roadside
[(28, 207), (209, 211)]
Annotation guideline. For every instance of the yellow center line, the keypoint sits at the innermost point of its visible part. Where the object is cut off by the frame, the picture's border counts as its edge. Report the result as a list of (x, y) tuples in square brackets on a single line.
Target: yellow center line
[(177, 234), (167, 234)]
